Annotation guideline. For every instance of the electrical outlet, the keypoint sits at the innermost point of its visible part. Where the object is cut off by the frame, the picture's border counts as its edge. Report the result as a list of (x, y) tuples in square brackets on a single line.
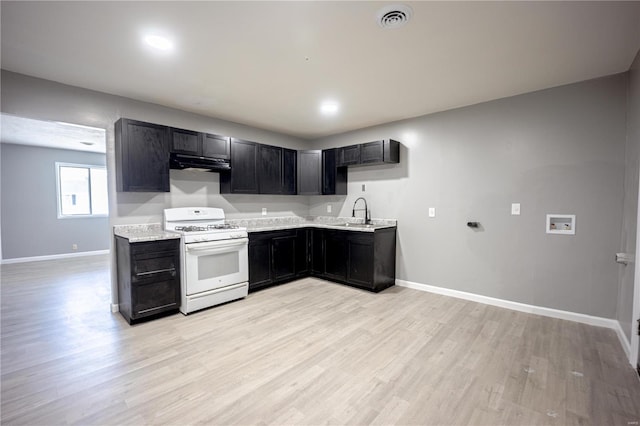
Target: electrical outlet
[(363, 187), (328, 208), (432, 212), (74, 247), (515, 209), (264, 211)]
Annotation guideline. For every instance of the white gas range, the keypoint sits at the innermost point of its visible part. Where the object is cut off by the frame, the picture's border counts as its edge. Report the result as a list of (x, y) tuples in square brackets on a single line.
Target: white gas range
[(214, 257)]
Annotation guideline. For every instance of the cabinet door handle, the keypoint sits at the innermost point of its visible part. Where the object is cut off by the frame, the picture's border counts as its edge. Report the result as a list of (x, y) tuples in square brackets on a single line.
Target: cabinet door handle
[(159, 271)]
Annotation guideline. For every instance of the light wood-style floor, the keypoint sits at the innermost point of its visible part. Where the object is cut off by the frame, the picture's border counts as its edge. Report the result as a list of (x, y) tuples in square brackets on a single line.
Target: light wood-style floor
[(309, 352)]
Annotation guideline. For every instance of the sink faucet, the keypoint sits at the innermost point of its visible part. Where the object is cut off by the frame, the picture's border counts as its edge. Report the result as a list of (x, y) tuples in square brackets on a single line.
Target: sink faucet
[(367, 213)]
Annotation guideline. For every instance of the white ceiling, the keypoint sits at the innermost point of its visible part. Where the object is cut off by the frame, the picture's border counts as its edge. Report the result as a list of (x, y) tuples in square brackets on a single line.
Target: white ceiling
[(270, 64), (51, 134)]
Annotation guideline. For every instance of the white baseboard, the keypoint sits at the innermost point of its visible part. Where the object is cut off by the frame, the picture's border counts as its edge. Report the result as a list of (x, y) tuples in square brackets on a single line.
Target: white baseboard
[(115, 308), (523, 307), (53, 256), (626, 345)]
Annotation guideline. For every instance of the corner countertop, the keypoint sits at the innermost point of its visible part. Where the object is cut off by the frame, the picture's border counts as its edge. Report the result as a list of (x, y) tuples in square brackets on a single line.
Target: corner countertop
[(145, 232), (327, 222)]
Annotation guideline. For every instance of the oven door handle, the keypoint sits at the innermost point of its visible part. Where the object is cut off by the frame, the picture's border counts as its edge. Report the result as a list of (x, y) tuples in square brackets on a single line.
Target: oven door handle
[(217, 246)]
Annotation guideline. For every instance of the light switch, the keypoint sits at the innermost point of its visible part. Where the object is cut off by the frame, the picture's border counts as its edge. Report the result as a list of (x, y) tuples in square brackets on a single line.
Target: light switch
[(515, 209), (328, 208), (363, 187), (432, 212)]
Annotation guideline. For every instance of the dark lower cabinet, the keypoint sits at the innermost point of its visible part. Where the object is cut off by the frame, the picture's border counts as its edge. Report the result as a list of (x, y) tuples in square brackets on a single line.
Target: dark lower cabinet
[(303, 252), (317, 252), (360, 252), (148, 278), (365, 260), (274, 257), (283, 257), (335, 254), (259, 261)]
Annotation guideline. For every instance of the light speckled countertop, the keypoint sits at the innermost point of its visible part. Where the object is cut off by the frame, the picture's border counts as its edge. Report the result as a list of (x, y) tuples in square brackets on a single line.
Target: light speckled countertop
[(154, 231), (328, 222), (145, 232)]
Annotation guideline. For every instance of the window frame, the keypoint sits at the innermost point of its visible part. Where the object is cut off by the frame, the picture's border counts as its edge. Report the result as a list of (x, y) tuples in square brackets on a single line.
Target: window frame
[(58, 165)]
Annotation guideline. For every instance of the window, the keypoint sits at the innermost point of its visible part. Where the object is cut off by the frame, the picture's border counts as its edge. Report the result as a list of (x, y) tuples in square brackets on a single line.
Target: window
[(82, 190)]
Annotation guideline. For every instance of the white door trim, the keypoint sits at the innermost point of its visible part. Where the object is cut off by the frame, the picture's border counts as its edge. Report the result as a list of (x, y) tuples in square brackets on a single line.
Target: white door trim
[(635, 339)]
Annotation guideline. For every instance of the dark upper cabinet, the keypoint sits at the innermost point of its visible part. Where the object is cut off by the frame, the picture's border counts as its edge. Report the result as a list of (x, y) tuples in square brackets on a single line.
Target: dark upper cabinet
[(310, 172), (243, 176), (383, 151), (349, 155), (334, 178), (215, 146), (142, 156), (185, 142), (270, 163), (289, 171), (199, 144), (276, 170)]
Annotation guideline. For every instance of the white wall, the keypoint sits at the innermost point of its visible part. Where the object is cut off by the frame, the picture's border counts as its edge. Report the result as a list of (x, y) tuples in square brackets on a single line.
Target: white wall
[(554, 151)]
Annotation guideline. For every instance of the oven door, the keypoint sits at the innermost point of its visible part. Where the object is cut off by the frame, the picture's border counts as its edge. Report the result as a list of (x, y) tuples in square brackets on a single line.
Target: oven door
[(215, 264)]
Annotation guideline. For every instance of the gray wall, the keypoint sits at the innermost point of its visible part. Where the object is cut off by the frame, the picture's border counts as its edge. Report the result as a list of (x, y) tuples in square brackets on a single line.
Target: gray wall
[(630, 210), (30, 224), (46, 100), (554, 151)]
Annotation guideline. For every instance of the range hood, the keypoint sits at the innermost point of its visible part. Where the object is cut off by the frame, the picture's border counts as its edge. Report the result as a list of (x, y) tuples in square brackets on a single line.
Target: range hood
[(192, 162)]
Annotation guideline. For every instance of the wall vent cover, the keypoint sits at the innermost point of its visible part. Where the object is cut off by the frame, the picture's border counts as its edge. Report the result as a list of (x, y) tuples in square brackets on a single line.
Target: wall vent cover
[(394, 16)]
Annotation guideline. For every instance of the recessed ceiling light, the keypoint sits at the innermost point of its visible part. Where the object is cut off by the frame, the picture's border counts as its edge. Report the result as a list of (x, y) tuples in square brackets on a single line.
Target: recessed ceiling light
[(159, 42), (329, 108)]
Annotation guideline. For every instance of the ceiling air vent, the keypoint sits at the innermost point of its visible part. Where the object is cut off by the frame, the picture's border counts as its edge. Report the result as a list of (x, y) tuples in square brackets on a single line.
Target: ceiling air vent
[(394, 16)]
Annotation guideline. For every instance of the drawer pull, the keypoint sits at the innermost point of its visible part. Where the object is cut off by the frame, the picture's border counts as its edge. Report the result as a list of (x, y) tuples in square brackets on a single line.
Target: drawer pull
[(159, 271)]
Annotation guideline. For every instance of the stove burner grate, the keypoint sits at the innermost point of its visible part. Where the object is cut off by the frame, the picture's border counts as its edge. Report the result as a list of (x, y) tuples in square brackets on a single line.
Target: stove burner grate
[(194, 228)]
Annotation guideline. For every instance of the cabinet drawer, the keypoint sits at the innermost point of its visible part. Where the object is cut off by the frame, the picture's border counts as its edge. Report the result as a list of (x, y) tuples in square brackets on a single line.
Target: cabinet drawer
[(152, 296), (156, 260), (154, 266), (155, 246)]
